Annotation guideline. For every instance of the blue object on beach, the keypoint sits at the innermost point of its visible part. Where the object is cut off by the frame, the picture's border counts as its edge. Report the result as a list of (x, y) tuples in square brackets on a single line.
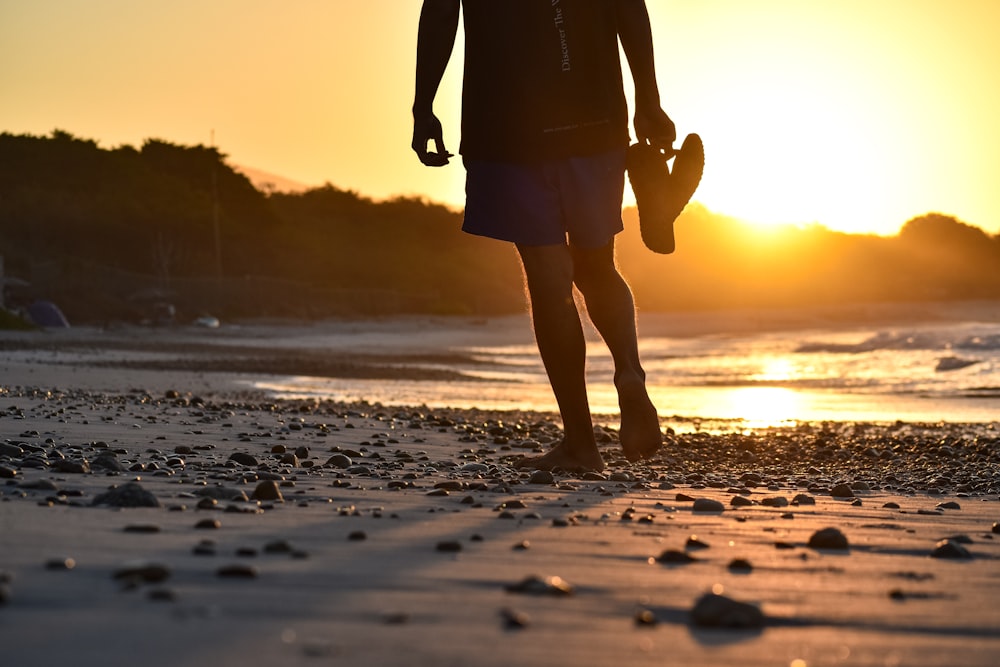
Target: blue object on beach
[(47, 314)]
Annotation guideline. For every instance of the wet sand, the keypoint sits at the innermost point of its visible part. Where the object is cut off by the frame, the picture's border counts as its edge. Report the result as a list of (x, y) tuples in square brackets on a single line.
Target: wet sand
[(405, 537)]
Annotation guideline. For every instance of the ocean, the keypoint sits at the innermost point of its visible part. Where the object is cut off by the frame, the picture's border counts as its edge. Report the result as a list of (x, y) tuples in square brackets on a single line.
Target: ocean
[(939, 372)]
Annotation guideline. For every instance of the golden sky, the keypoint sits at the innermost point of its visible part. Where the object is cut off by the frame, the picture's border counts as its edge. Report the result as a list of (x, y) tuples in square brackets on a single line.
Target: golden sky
[(856, 114)]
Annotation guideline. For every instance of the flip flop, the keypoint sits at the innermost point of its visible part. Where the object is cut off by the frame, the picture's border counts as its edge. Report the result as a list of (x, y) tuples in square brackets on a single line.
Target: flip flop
[(661, 194)]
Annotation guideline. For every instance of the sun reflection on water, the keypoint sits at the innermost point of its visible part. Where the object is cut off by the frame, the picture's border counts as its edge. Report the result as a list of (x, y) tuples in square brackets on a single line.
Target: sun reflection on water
[(761, 407)]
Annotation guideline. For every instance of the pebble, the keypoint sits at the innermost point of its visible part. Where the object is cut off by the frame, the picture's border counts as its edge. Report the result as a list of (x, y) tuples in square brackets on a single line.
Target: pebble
[(237, 572), (130, 494), (950, 548), (341, 461), (719, 611), (208, 524), (278, 547), (541, 477), (267, 490), (142, 528), (141, 572), (675, 557), (828, 538), (449, 546), (842, 491), (708, 505), (740, 565), (694, 542), (60, 564), (645, 618), (535, 585), (11, 450), (514, 619), (244, 459)]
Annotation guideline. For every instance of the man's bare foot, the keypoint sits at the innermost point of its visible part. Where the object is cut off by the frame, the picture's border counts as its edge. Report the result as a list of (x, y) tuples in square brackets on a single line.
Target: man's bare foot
[(640, 433), (562, 457)]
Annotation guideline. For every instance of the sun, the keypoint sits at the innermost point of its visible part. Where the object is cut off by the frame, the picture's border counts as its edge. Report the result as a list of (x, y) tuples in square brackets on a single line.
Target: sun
[(796, 105)]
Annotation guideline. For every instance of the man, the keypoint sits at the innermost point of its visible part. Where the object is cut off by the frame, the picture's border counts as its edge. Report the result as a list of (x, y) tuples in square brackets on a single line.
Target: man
[(544, 139)]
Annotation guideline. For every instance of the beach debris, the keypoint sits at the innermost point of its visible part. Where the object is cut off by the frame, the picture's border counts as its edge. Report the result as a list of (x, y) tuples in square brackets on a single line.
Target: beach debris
[(130, 494), (707, 505), (828, 538), (536, 585), (949, 548), (718, 611)]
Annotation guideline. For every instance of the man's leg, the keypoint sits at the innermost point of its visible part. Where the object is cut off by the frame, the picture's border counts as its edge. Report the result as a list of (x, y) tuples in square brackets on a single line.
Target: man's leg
[(549, 271), (612, 310)]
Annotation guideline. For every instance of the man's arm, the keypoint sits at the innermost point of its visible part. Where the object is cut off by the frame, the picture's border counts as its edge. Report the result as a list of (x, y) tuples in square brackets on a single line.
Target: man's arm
[(435, 41), (651, 123)]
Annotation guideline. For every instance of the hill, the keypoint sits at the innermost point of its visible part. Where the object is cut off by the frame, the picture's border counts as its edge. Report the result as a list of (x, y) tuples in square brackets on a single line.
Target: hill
[(114, 234)]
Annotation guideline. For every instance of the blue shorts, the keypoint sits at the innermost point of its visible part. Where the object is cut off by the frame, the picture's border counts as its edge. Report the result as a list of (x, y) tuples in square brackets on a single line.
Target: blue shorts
[(540, 204)]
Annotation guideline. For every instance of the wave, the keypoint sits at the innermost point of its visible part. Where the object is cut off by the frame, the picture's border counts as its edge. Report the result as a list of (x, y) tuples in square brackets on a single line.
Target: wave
[(907, 341)]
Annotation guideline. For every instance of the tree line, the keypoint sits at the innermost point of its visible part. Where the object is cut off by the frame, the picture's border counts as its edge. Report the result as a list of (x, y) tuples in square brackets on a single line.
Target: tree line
[(106, 232)]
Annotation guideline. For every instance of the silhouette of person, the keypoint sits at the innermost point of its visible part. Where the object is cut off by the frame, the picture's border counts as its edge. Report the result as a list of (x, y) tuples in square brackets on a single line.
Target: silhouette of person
[(544, 134)]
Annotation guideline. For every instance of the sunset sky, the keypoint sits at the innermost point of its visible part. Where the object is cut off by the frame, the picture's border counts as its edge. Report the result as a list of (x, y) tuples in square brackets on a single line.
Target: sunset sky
[(856, 114)]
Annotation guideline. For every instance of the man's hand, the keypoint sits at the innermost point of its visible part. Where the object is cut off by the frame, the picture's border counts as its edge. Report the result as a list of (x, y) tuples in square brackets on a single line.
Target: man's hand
[(653, 126), (427, 128)]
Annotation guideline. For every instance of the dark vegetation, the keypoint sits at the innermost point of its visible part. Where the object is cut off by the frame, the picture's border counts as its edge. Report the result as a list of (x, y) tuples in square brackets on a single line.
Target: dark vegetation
[(113, 234)]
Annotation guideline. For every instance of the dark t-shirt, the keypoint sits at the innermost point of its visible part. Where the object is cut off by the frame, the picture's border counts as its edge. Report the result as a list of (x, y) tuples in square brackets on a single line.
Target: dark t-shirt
[(542, 80)]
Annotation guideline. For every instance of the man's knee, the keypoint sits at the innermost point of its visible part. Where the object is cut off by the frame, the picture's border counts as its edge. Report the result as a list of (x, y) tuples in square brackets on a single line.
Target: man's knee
[(594, 268)]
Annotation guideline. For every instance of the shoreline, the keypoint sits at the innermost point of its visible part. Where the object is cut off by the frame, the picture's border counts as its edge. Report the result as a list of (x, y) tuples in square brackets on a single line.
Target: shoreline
[(433, 360)]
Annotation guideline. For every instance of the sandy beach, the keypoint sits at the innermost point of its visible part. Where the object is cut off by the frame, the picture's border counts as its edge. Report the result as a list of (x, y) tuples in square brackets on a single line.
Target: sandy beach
[(163, 513)]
